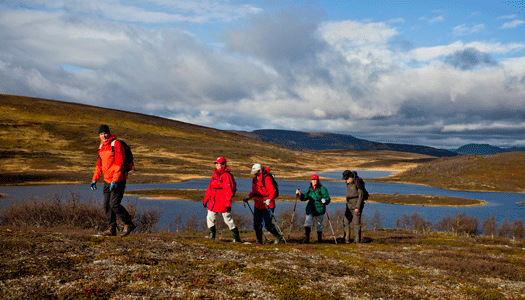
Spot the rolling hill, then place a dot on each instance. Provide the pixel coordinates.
(486, 149)
(332, 141)
(46, 141)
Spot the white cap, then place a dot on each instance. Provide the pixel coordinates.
(256, 168)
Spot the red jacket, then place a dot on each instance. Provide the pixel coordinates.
(262, 189)
(220, 191)
(109, 162)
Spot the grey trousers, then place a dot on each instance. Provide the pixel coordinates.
(352, 218)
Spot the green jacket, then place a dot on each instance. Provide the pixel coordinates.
(315, 207)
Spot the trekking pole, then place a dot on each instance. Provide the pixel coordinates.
(330, 222)
(293, 214)
(264, 235)
(276, 223)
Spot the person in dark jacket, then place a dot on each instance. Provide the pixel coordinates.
(263, 193)
(354, 205)
(218, 199)
(110, 162)
(317, 197)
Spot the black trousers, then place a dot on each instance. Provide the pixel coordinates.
(112, 206)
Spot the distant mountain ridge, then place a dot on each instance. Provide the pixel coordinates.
(486, 149)
(332, 141)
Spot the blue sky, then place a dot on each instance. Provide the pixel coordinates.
(441, 74)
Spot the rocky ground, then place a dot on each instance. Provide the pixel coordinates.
(390, 264)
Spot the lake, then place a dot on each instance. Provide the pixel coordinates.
(501, 205)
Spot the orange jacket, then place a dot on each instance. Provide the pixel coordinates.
(110, 162)
(220, 191)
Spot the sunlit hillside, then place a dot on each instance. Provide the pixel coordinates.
(52, 141)
(497, 173)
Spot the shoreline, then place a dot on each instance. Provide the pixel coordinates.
(197, 195)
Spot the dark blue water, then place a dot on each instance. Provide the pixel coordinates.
(501, 205)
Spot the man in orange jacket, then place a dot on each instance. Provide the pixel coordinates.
(110, 162)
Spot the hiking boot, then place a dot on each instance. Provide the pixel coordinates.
(347, 234)
(212, 230)
(236, 237)
(307, 231)
(358, 235)
(111, 231)
(259, 236)
(319, 236)
(128, 228)
(277, 236)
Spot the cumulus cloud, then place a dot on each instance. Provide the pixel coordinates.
(282, 69)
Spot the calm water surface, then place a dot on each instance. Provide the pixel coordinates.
(501, 205)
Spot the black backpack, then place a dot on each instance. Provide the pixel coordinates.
(275, 184)
(360, 183)
(128, 156)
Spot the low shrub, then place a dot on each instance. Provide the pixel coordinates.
(71, 211)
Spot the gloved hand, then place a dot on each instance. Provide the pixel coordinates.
(245, 199)
(298, 192)
(267, 202)
(93, 185)
(229, 208)
(205, 205)
(323, 201)
(112, 185)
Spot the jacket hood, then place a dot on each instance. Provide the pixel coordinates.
(265, 171)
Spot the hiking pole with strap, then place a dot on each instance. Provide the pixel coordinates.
(293, 214)
(330, 222)
(276, 223)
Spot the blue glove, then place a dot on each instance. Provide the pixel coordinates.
(93, 185)
(112, 186)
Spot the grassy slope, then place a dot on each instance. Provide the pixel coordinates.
(500, 172)
(45, 141)
(390, 264)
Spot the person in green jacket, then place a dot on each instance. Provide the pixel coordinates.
(317, 197)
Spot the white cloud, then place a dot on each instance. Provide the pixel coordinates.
(436, 20)
(281, 70)
(482, 126)
(508, 17)
(356, 33)
(430, 53)
(512, 24)
(464, 29)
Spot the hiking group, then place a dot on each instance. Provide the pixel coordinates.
(115, 160)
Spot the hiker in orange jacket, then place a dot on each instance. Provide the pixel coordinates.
(218, 199)
(110, 162)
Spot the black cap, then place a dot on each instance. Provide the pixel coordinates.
(347, 174)
(103, 128)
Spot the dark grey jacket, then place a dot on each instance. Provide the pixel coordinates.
(354, 196)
